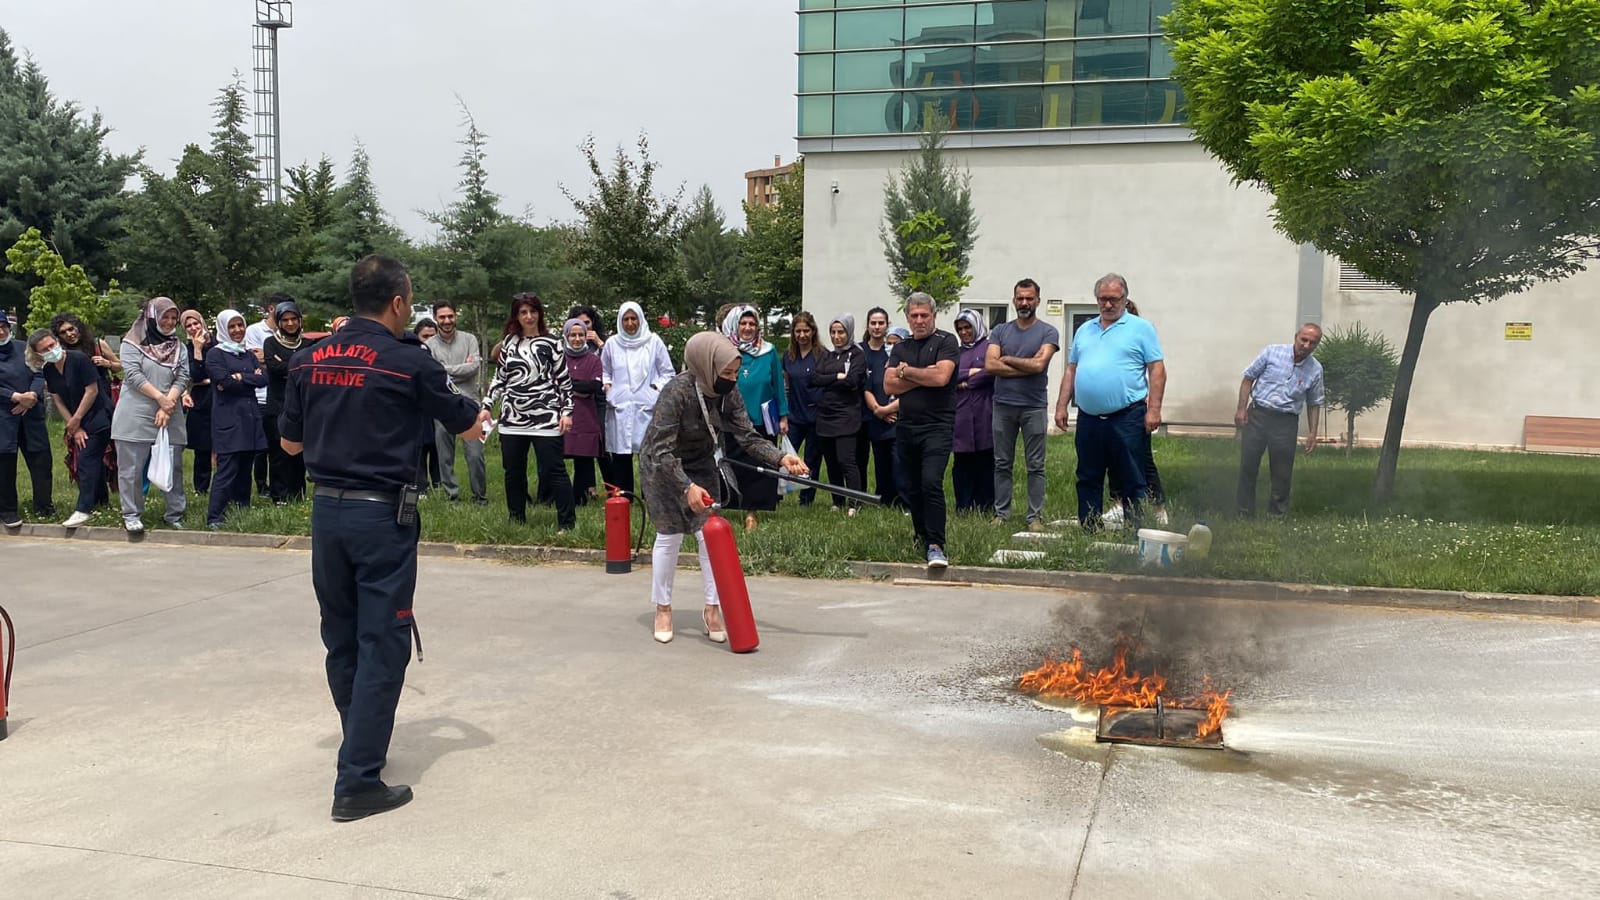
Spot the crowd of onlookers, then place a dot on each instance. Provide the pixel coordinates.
(888, 409)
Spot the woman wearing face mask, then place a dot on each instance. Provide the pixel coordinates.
(841, 376)
(583, 438)
(81, 399)
(22, 431)
(155, 377)
(236, 431)
(765, 402)
(696, 413)
(973, 473)
(197, 405)
(634, 367)
(535, 395)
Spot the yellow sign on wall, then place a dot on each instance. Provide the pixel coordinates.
(1053, 308)
(1519, 331)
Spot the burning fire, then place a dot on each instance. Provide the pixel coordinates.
(1115, 685)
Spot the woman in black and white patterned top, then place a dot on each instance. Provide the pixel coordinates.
(535, 395)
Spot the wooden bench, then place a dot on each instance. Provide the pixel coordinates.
(1561, 434)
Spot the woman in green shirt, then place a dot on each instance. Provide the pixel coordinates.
(766, 401)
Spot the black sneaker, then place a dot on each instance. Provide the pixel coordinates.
(369, 803)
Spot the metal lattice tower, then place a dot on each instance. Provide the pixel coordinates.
(272, 16)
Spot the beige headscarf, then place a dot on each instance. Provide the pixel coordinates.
(705, 356)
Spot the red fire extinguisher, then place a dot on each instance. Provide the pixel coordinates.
(729, 574)
(619, 515)
(7, 663)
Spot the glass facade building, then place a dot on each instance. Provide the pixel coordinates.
(880, 67)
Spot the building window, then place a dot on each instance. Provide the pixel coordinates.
(1062, 63)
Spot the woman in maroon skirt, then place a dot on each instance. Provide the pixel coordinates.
(583, 439)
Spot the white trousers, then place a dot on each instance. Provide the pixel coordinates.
(664, 564)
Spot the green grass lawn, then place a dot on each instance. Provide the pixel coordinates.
(1461, 520)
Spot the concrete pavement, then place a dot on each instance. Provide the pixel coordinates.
(172, 737)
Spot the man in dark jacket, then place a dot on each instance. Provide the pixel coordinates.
(286, 474)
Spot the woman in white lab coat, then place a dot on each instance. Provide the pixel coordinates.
(635, 366)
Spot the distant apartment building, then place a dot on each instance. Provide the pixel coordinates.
(761, 185)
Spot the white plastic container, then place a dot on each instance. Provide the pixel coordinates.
(1161, 548)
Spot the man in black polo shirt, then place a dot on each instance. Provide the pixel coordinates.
(921, 373)
(354, 405)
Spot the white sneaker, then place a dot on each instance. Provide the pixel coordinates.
(76, 519)
(1113, 518)
(16, 521)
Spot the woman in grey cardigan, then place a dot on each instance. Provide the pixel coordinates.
(679, 465)
(155, 377)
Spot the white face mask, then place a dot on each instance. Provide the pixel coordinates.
(54, 355)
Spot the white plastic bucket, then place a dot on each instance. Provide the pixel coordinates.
(1161, 548)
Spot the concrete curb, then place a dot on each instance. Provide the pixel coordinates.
(955, 576)
(1214, 588)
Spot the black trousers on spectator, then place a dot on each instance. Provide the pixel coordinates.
(617, 469)
(973, 478)
(1152, 478)
(1276, 434)
(230, 486)
(840, 455)
(199, 428)
(261, 465)
(583, 480)
(552, 465)
(39, 474)
(286, 474)
(429, 461)
(922, 452)
(807, 443)
(882, 456)
(1110, 445)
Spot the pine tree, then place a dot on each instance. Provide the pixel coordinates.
(711, 260)
(56, 175)
(928, 182)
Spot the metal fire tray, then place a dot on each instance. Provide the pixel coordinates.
(1156, 726)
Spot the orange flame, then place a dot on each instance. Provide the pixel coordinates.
(1115, 685)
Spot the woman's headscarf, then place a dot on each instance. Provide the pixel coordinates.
(705, 356)
(183, 320)
(145, 333)
(566, 332)
(223, 339)
(638, 338)
(849, 323)
(730, 330)
(980, 329)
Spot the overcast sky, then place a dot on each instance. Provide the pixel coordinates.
(710, 81)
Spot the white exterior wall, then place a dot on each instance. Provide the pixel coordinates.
(1206, 267)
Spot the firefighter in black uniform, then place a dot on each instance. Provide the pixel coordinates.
(354, 405)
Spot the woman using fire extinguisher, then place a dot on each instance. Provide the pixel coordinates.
(680, 463)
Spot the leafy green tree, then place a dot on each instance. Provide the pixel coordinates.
(711, 257)
(206, 236)
(930, 246)
(927, 182)
(56, 175)
(1448, 147)
(626, 242)
(62, 288)
(773, 247)
(1358, 372)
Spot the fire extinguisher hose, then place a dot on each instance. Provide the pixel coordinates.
(11, 649)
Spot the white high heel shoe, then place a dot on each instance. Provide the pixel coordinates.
(719, 636)
(664, 637)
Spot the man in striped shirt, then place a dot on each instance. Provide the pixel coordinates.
(1281, 379)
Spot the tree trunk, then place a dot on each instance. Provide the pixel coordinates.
(1389, 458)
(1349, 431)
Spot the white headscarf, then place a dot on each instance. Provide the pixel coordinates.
(223, 340)
(730, 330)
(643, 335)
(980, 328)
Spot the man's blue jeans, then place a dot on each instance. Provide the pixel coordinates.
(1112, 443)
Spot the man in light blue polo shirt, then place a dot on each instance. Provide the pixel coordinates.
(1281, 379)
(1115, 372)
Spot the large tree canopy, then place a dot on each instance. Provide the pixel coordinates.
(1448, 147)
(56, 174)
